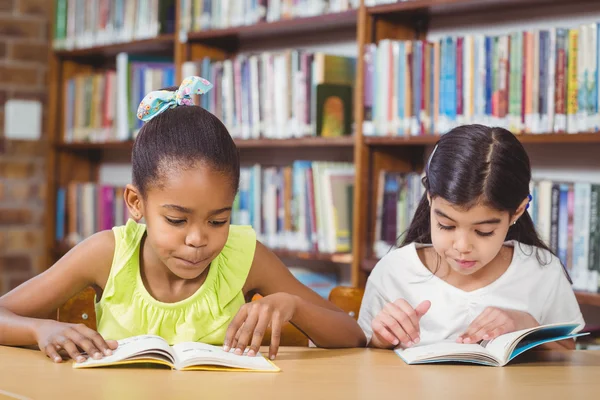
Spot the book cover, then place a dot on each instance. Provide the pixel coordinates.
(334, 110)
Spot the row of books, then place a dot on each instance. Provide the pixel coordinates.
(306, 206)
(566, 217)
(292, 93)
(88, 23)
(101, 106)
(199, 15)
(84, 208)
(371, 3)
(398, 195)
(542, 81)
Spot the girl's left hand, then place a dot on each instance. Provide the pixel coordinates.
(252, 320)
(493, 322)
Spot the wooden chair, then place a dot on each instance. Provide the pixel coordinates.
(80, 309)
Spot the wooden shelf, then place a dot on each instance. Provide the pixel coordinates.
(368, 264)
(436, 7)
(341, 258)
(550, 138)
(400, 140)
(230, 37)
(590, 299)
(346, 141)
(160, 44)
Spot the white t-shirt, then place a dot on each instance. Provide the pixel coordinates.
(543, 291)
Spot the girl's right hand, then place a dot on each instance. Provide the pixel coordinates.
(52, 336)
(398, 323)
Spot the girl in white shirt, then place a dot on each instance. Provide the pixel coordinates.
(471, 266)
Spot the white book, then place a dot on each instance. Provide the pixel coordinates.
(544, 210)
(549, 124)
(186, 356)
(581, 235)
(497, 352)
(122, 117)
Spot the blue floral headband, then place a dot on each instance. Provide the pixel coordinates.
(158, 101)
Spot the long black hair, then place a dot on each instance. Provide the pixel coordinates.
(181, 137)
(476, 164)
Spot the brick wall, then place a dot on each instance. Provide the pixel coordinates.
(24, 42)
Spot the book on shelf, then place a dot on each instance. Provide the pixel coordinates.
(83, 23)
(186, 356)
(101, 106)
(84, 208)
(306, 206)
(321, 282)
(274, 94)
(202, 15)
(496, 352)
(539, 81)
(398, 195)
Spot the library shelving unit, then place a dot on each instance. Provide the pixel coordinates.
(409, 20)
(401, 21)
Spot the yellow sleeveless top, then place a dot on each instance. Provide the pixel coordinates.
(127, 309)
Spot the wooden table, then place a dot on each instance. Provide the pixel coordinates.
(310, 374)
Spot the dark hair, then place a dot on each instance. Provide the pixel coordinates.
(182, 137)
(476, 164)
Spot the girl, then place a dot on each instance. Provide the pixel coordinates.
(186, 273)
(471, 266)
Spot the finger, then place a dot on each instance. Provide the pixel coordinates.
(494, 333)
(236, 338)
(112, 344)
(71, 350)
(478, 335)
(259, 333)
(234, 327)
(246, 332)
(383, 333)
(52, 352)
(483, 319)
(483, 326)
(393, 325)
(422, 308)
(84, 343)
(402, 312)
(276, 324)
(96, 339)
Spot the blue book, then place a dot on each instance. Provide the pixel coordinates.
(495, 353)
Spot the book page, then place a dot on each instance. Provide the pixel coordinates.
(446, 351)
(503, 346)
(193, 353)
(153, 346)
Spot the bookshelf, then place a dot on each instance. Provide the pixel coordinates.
(371, 154)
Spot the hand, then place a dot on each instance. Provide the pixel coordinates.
(53, 336)
(252, 320)
(493, 322)
(398, 323)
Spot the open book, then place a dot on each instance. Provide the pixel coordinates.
(497, 352)
(182, 356)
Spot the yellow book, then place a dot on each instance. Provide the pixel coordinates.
(187, 356)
